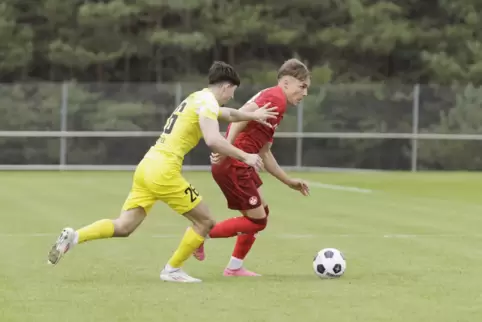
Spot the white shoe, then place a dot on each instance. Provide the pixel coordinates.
(178, 276)
(64, 242)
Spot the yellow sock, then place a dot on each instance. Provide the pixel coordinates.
(100, 229)
(189, 243)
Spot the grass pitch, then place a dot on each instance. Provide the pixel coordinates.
(412, 243)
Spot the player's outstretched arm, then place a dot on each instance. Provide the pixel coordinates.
(249, 112)
(273, 168)
(234, 129)
(238, 127)
(217, 143)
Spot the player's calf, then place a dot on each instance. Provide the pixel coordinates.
(193, 238)
(244, 227)
(128, 222)
(203, 225)
(201, 219)
(244, 243)
(123, 226)
(246, 224)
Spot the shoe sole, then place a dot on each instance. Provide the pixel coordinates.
(55, 255)
(174, 281)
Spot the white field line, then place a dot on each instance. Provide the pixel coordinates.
(340, 188)
(419, 204)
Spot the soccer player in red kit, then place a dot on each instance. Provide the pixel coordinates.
(240, 183)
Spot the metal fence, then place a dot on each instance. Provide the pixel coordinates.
(351, 126)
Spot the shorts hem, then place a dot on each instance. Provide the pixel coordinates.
(244, 208)
(146, 209)
(188, 209)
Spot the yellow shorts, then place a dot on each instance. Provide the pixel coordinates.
(157, 180)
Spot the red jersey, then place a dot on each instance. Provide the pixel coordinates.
(256, 135)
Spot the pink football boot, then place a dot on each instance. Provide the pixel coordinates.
(199, 253)
(239, 272)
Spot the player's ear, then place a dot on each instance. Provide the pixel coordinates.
(224, 87)
(228, 86)
(286, 83)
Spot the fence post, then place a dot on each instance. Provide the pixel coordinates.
(178, 94)
(415, 119)
(63, 125)
(299, 139)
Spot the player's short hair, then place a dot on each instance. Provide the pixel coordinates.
(295, 68)
(221, 72)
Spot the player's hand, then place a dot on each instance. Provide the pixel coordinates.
(254, 161)
(264, 113)
(299, 185)
(216, 158)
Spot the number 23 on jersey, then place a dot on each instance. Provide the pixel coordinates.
(171, 121)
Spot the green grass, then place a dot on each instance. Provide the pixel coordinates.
(412, 247)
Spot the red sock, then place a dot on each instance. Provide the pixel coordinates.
(235, 226)
(245, 242)
(243, 245)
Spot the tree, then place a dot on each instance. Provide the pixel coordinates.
(464, 118)
(16, 44)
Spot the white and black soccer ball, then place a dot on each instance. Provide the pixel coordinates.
(329, 263)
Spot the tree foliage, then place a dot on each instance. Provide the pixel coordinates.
(364, 56)
(126, 40)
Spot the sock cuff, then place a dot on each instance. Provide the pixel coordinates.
(261, 221)
(194, 235)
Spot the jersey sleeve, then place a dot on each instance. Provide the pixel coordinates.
(274, 100)
(209, 109)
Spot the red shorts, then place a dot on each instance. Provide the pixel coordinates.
(239, 185)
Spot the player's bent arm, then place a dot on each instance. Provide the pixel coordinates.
(272, 166)
(215, 141)
(245, 113)
(234, 130)
(238, 127)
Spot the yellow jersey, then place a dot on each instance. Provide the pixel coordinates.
(182, 131)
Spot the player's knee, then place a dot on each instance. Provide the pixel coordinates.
(208, 223)
(128, 221)
(266, 210)
(201, 218)
(261, 223)
(204, 225)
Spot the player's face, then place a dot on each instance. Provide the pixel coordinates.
(296, 90)
(227, 93)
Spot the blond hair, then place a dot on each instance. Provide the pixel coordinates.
(295, 68)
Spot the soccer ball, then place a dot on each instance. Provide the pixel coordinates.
(329, 263)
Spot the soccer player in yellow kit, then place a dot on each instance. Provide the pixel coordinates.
(158, 176)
